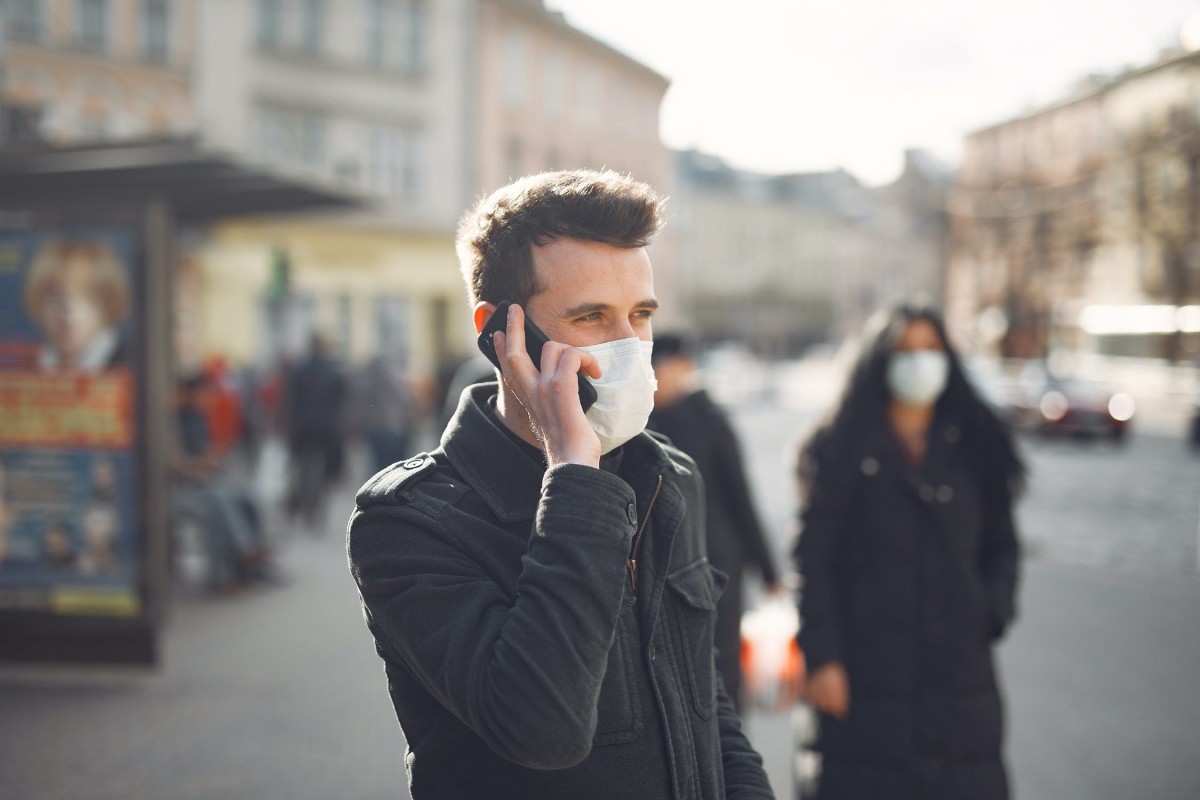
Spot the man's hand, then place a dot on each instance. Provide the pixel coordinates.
(829, 689)
(549, 392)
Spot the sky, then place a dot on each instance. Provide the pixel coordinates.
(794, 85)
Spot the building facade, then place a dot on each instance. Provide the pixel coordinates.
(415, 107)
(77, 71)
(365, 97)
(548, 96)
(551, 97)
(782, 262)
(1075, 226)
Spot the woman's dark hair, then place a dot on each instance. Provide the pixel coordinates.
(865, 400)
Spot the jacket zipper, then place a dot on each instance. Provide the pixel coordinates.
(637, 538)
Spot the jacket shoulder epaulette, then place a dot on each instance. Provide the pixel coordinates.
(384, 486)
(680, 461)
(661, 438)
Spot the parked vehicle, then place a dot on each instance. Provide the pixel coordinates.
(1050, 404)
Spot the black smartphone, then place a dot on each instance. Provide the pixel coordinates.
(534, 340)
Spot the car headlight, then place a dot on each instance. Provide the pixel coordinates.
(1054, 406)
(1121, 407)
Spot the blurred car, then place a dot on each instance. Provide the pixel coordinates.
(1051, 404)
(995, 388)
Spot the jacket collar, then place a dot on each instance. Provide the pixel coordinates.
(507, 479)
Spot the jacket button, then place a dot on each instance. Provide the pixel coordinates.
(632, 511)
(870, 466)
(945, 494)
(928, 493)
(414, 463)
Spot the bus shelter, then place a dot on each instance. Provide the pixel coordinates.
(87, 253)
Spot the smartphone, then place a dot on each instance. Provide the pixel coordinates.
(534, 340)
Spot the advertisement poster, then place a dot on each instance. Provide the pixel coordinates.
(68, 523)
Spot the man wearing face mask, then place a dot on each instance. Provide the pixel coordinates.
(909, 560)
(538, 586)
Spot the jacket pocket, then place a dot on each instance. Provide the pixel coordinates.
(617, 716)
(697, 588)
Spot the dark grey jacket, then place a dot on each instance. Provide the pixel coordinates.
(520, 661)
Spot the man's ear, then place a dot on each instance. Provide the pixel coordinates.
(482, 313)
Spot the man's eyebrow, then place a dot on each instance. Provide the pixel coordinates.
(585, 308)
(592, 308)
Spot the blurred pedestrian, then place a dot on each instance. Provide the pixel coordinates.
(696, 425)
(470, 371)
(225, 410)
(235, 542)
(315, 399)
(908, 557)
(385, 410)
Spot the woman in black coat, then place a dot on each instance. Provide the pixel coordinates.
(908, 558)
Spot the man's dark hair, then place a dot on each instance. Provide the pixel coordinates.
(496, 238)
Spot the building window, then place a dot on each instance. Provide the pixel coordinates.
(25, 19)
(313, 16)
(516, 79)
(554, 85)
(514, 161)
(22, 125)
(93, 127)
(391, 327)
(409, 26)
(92, 23)
(589, 88)
(376, 32)
(293, 137)
(396, 165)
(312, 141)
(396, 34)
(156, 29)
(270, 23)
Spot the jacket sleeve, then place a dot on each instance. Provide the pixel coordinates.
(822, 520)
(745, 778)
(525, 673)
(1000, 558)
(736, 490)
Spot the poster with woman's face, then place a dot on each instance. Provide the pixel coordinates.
(67, 422)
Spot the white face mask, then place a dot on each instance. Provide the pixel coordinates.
(918, 378)
(624, 390)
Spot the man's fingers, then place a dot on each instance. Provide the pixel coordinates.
(510, 349)
(588, 364)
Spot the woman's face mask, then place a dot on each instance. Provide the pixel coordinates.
(625, 390)
(918, 377)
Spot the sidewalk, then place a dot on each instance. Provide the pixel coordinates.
(272, 693)
(278, 693)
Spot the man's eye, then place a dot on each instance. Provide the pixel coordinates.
(645, 313)
(592, 317)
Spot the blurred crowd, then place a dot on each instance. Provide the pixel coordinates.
(259, 452)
